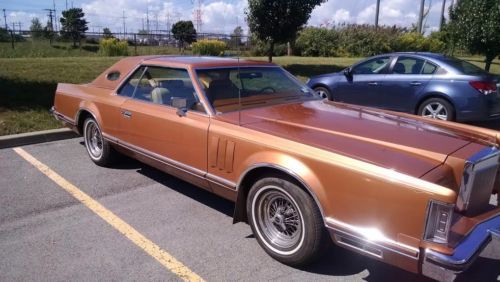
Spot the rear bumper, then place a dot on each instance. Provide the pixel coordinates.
(64, 119)
(445, 267)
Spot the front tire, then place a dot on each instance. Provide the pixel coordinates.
(286, 221)
(323, 92)
(99, 149)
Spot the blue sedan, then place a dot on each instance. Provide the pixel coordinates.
(426, 84)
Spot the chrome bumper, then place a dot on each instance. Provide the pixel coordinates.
(445, 267)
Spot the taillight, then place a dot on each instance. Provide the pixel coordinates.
(484, 87)
(439, 216)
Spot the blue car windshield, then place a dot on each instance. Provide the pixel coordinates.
(464, 67)
(233, 88)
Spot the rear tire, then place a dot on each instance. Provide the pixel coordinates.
(323, 92)
(98, 148)
(437, 108)
(286, 221)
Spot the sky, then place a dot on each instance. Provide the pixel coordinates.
(218, 16)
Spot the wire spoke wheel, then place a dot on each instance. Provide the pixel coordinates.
(93, 139)
(279, 219)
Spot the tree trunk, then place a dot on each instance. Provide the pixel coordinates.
(489, 59)
(271, 50)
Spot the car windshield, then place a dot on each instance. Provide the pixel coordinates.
(233, 88)
(464, 67)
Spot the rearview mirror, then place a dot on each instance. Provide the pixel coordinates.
(180, 104)
(348, 72)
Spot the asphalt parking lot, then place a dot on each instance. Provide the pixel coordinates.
(46, 234)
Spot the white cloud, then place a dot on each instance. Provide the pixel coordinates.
(222, 16)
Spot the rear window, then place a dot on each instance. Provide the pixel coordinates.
(464, 67)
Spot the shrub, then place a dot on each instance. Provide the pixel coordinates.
(209, 47)
(113, 47)
(317, 42)
(414, 41)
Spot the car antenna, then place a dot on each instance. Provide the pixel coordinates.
(241, 83)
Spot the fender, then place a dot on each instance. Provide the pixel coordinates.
(277, 162)
(89, 107)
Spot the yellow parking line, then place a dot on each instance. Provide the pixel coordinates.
(167, 260)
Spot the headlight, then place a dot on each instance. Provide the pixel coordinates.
(438, 224)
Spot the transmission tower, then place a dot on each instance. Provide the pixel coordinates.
(5, 20)
(51, 13)
(198, 14)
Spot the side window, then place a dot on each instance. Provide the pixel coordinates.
(374, 66)
(408, 65)
(160, 85)
(128, 88)
(429, 68)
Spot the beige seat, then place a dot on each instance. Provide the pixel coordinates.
(158, 95)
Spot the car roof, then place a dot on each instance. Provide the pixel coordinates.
(126, 65)
(202, 61)
(423, 54)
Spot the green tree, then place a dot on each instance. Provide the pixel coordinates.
(184, 32)
(73, 25)
(106, 33)
(236, 37)
(36, 28)
(278, 21)
(475, 25)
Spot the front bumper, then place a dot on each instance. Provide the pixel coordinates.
(445, 267)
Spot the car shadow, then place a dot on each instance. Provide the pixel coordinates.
(335, 262)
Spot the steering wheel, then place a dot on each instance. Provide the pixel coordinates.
(267, 89)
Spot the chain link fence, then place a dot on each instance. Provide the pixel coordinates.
(20, 43)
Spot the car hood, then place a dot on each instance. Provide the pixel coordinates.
(393, 141)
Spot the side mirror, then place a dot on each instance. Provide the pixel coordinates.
(348, 72)
(180, 104)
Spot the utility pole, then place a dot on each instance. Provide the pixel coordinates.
(147, 17)
(420, 16)
(50, 15)
(441, 20)
(124, 30)
(54, 8)
(377, 13)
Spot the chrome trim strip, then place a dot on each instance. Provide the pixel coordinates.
(61, 117)
(371, 236)
(467, 250)
(170, 162)
(287, 171)
(221, 181)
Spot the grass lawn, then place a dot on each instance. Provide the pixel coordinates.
(27, 85)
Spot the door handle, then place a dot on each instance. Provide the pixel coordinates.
(373, 83)
(415, 83)
(127, 114)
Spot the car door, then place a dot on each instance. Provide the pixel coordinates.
(151, 126)
(405, 81)
(363, 83)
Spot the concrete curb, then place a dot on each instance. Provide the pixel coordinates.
(15, 140)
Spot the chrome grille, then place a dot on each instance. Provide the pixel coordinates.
(478, 181)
